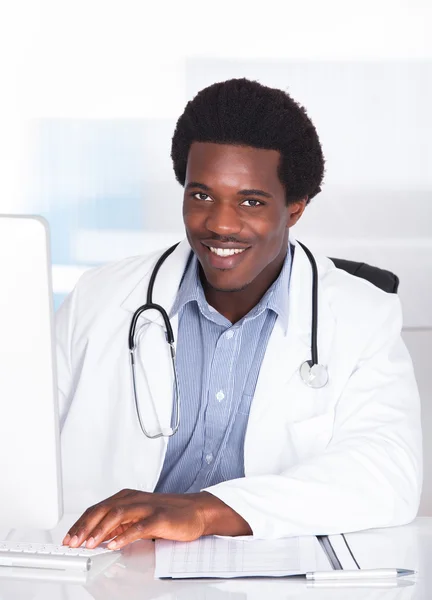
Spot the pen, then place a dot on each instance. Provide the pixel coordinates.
(359, 574)
(360, 583)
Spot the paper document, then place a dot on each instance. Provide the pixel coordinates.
(230, 557)
(393, 547)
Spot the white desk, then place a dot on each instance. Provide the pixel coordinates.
(132, 576)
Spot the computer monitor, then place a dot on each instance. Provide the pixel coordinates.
(30, 476)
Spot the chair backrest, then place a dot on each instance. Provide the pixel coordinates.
(385, 280)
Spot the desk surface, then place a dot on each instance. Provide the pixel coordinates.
(131, 577)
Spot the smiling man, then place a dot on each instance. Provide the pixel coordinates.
(239, 235)
(257, 450)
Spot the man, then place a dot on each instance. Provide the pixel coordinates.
(257, 451)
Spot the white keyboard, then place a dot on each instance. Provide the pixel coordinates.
(49, 556)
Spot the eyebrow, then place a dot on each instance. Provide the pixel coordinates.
(205, 188)
(255, 193)
(201, 186)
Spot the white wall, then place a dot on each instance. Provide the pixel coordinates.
(420, 346)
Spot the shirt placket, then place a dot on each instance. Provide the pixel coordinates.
(219, 402)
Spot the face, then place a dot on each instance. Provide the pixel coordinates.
(235, 214)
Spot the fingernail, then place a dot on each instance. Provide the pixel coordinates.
(73, 541)
(90, 542)
(66, 539)
(112, 545)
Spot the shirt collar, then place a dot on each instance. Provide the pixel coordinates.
(278, 293)
(189, 286)
(275, 298)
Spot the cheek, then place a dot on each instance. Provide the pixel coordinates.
(189, 217)
(192, 211)
(271, 229)
(184, 209)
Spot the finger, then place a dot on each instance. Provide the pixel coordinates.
(80, 531)
(142, 530)
(117, 531)
(119, 515)
(77, 534)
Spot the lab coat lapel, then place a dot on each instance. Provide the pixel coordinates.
(165, 287)
(280, 390)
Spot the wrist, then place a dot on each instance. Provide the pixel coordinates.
(220, 519)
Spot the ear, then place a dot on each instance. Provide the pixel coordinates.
(295, 211)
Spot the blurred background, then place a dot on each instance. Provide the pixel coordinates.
(92, 91)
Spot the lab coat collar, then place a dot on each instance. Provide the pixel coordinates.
(166, 285)
(299, 303)
(300, 296)
(296, 339)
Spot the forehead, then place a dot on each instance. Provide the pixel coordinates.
(240, 166)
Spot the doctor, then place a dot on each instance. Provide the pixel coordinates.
(259, 448)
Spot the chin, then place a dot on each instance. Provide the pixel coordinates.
(229, 285)
(228, 290)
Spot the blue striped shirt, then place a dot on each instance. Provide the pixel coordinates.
(218, 365)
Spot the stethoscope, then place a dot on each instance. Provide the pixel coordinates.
(311, 372)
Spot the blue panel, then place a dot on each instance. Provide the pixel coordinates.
(58, 300)
(97, 175)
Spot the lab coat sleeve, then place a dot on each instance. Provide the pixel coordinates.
(370, 473)
(65, 376)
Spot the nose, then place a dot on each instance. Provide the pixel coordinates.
(223, 219)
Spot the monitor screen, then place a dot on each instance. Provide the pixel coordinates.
(29, 430)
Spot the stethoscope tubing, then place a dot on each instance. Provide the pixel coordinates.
(306, 370)
(314, 328)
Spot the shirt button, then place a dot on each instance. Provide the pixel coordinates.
(209, 458)
(220, 395)
(230, 334)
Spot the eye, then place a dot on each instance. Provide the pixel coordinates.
(253, 203)
(201, 196)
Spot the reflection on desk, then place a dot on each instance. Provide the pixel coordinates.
(132, 577)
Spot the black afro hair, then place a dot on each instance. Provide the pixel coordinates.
(246, 113)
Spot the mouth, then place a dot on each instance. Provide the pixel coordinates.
(226, 257)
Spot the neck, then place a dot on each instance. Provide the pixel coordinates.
(234, 305)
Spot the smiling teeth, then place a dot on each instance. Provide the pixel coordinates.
(226, 251)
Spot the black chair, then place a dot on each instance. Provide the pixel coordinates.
(385, 280)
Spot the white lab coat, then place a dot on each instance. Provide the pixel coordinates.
(341, 458)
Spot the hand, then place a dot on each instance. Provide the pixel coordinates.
(130, 515)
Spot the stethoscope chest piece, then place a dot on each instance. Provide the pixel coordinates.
(314, 376)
